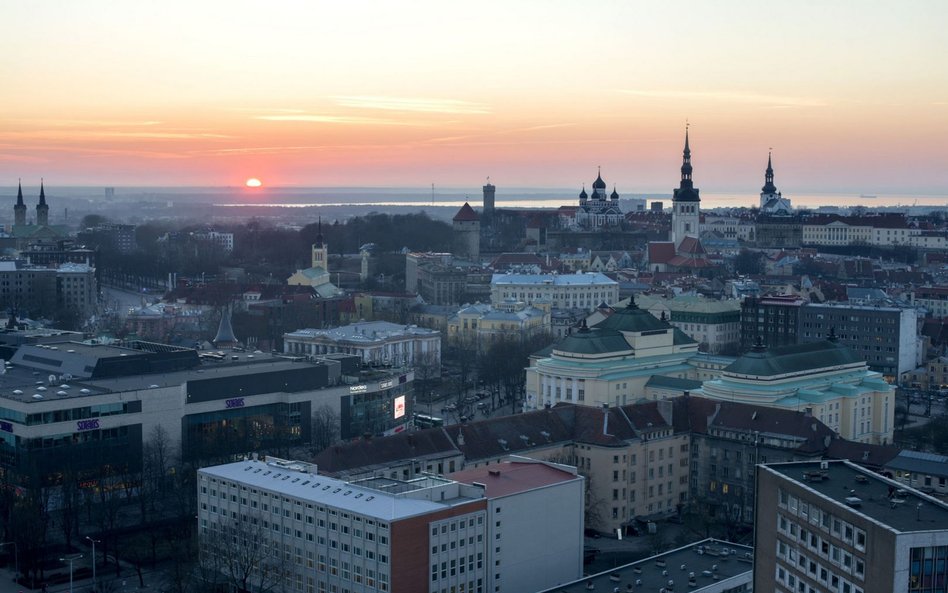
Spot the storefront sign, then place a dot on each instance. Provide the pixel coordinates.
(386, 384)
(358, 389)
(87, 424)
(237, 402)
(6, 426)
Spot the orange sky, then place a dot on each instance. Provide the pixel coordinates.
(851, 95)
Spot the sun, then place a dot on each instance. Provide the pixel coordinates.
(253, 182)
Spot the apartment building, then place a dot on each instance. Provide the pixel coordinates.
(834, 526)
(483, 532)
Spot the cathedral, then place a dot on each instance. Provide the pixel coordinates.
(598, 210)
(37, 230)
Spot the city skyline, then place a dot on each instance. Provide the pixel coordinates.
(851, 97)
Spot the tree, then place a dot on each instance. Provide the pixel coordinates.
(749, 262)
(325, 428)
(241, 553)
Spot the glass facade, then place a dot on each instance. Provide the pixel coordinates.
(929, 570)
(243, 429)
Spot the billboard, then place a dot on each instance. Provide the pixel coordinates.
(399, 406)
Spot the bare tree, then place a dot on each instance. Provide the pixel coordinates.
(324, 429)
(241, 553)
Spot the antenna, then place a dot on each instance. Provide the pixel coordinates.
(432, 194)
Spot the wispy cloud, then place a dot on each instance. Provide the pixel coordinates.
(336, 119)
(82, 123)
(412, 104)
(87, 135)
(81, 151)
(445, 139)
(729, 97)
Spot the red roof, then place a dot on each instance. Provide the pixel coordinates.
(466, 213)
(687, 261)
(508, 477)
(691, 246)
(660, 252)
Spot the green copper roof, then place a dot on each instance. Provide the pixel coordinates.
(683, 338)
(593, 341)
(796, 358)
(632, 319)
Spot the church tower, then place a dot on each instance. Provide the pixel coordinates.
(19, 211)
(686, 204)
(42, 209)
(769, 191)
(320, 249)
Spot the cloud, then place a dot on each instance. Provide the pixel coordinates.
(87, 135)
(336, 119)
(413, 104)
(83, 123)
(728, 97)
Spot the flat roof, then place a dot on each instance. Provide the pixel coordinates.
(882, 500)
(710, 561)
(296, 480)
(512, 477)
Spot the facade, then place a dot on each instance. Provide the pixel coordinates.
(482, 325)
(476, 533)
(933, 298)
(880, 230)
(714, 324)
(885, 337)
(47, 290)
(825, 379)
(779, 231)
(833, 526)
(611, 362)
(560, 291)
(467, 233)
(223, 240)
(98, 405)
(374, 342)
(598, 210)
(774, 320)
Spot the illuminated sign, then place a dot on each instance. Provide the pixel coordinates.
(357, 388)
(87, 424)
(399, 406)
(237, 402)
(6, 426)
(386, 384)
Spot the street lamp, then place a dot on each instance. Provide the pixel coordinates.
(94, 542)
(70, 560)
(16, 559)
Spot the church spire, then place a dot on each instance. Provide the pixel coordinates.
(42, 194)
(769, 187)
(19, 210)
(19, 193)
(42, 209)
(319, 232)
(686, 163)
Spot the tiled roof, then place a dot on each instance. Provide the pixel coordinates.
(660, 252)
(466, 213)
(380, 452)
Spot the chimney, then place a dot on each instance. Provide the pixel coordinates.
(460, 438)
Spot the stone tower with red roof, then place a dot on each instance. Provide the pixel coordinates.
(467, 233)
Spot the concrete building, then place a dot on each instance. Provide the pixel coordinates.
(482, 532)
(774, 320)
(99, 404)
(560, 291)
(933, 298)
(374, 342)
(714, 324)
(833, 526)
(886, 337)
(702, 567)
(46, 291)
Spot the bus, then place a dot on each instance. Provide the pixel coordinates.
(426, 421)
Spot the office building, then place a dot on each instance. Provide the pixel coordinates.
(477, 532)
(773, 319)
(834, 526)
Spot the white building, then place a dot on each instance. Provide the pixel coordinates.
(477, 531)
(561, 291)
(223, 240)
(375, 342)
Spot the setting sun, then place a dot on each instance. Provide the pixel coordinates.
(253, 182)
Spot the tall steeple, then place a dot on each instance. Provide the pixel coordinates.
(319, 232)
(769, 187)
(686, 212)
(19, 210)
(42, 209)
(320, 256)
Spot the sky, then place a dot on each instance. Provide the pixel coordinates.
(850, 95)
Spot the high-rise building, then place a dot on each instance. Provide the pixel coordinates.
(834, 526)
(772, 320)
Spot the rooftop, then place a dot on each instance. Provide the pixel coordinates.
(709, 562)
(363, 331)
(880, 499)
(513, 477)
(381, 498)
(793, 359)
(582, 279)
